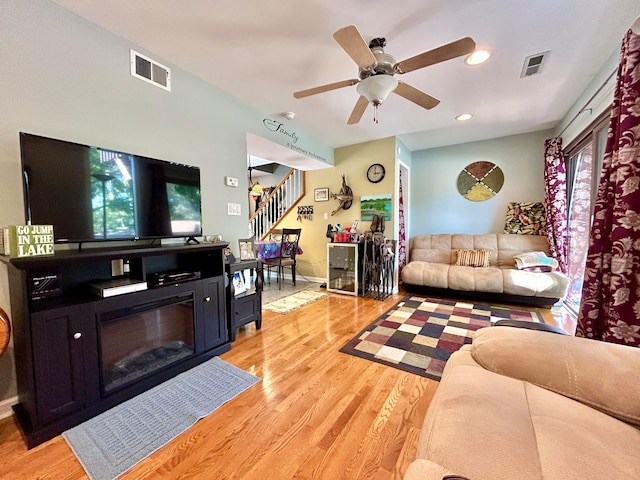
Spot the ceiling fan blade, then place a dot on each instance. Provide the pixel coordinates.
(358, 110)
(352, 42)
(325, 88)
(416, 96)
(451, 50)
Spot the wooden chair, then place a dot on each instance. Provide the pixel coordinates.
(287, 258)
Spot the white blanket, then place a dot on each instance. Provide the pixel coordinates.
(534, 259)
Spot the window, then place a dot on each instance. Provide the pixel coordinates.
(583, 164)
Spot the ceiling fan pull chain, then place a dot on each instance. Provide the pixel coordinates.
(375, 113)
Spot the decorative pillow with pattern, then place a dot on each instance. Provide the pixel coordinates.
(525, 218)
(473, 258)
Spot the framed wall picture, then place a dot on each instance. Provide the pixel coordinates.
(371, 205)
(321, 194)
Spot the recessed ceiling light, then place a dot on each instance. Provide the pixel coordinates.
(463, 116)
(477, 57)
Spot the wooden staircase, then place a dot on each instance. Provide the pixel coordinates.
(282, 199)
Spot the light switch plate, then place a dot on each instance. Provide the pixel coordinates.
(231, 181)
(233, 209)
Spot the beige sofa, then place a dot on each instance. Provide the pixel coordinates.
(432, 268)
(528, 405)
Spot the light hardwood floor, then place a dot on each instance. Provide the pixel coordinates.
(317, 413)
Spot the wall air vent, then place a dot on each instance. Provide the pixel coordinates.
(533, 64)
(150, 71)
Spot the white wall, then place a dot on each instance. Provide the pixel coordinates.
(592, 102)
(436, 205)
(63, 77)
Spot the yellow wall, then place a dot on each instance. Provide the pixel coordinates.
(352, 161)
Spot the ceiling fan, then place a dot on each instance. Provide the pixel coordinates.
(377, 70)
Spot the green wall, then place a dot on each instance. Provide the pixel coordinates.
(63, 77)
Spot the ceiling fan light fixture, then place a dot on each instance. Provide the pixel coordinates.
(377, 88)
(478, 57)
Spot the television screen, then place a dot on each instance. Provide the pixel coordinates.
(94, 194)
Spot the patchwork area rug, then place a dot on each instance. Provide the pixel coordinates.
(419, 334)
(294, 301)
(111, 443)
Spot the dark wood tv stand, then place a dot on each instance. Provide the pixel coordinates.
(57, 339)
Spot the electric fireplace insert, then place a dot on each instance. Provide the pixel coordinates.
(140, 340)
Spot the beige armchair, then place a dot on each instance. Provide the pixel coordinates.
(521, 404)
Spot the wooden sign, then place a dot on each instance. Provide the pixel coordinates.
(28, 240)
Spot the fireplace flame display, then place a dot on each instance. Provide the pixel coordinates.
(134, 345)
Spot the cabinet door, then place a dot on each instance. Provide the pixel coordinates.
(64, 341)
(342, 268)
(215, 324)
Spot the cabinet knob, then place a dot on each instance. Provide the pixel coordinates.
(207, 299)
(77, 335)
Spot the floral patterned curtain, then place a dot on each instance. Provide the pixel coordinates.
(610, 307)
(555, 199)
(402, 235)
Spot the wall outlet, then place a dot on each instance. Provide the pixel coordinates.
(231, 181)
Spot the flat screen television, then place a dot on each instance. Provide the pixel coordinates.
(92, 194)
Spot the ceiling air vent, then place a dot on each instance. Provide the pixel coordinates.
(150, 71)
(533, 64)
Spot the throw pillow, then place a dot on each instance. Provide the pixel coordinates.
(526, 218)
(473, 258)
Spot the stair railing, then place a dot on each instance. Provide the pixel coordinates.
(282, 199)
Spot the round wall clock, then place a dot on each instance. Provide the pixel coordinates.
(375, 173)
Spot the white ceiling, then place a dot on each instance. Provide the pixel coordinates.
(263, 51)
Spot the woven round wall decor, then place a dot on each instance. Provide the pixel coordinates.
(480, 181)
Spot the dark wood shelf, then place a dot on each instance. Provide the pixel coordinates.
(57, 339)
(245, 307)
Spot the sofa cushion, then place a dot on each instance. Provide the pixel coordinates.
(488, 426)
(578, 368)
(511, 245)
(536, 284)
(473, 279)
(435, 275)
(431, 248)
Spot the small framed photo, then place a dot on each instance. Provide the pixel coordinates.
(246, 249)
(321, 194)
(238, 283)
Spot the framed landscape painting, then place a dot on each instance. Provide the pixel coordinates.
(371, 205)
